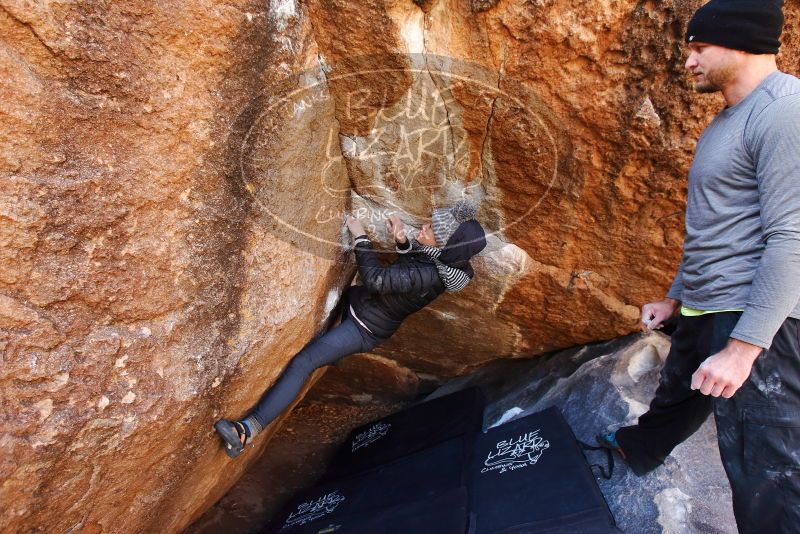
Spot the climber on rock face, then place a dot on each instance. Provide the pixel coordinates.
(736, 349)
(374, 310)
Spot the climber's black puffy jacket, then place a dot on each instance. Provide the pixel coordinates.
(389, 294)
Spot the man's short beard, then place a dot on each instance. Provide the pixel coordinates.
(716, 79)
(706, 87)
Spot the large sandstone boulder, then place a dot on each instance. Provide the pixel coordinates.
(172, 179)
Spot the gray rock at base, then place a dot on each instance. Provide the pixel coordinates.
(605, 386)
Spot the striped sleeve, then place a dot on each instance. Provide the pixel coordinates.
(454, 279)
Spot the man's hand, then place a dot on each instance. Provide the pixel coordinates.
(655, 313)
(396, 228)
(724, 372)
(354, 225)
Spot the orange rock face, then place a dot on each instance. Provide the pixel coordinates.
(172, 181)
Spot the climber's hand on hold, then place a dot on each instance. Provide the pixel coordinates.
(397, 228)
(354, 225)
(655, 313)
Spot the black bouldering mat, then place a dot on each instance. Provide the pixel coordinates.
(416, 428)
(445, 513)
(530, 475)
(420, 476)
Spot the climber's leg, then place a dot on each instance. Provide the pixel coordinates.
(341, 341)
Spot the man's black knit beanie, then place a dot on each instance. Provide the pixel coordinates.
(753, 26)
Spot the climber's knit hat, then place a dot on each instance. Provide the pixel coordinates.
(753, 26)
(445, 221)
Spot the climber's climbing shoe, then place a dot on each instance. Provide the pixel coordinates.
(609, 441)
(231, 433)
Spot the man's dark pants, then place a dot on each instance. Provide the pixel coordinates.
(758, 429)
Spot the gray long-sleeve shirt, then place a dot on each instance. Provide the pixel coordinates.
(742, 245)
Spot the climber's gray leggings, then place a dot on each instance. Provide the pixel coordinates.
(345, 339)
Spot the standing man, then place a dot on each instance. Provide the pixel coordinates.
(736, 349)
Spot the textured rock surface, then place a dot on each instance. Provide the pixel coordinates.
(143, 294)
(170, 192)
